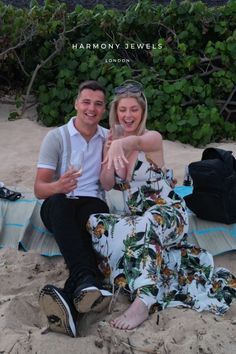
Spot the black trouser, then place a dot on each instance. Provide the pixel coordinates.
(66, 219)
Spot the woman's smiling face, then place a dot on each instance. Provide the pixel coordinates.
(129, 114)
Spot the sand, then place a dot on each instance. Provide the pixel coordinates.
(23, 326)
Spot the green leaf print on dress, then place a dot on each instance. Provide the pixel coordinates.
(146, 251)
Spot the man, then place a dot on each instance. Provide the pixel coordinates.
(66, 217)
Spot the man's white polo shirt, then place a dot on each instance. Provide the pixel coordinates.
(50, 157)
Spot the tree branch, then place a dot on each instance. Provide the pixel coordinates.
(21, 42)
(190, 103)
(59, 43)
(20, 63)
(228, 100)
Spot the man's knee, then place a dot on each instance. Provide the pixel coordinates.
(57, 198)
(93, 206)
(99, 207)
(54, 203)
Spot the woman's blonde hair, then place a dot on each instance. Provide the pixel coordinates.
(141, 99)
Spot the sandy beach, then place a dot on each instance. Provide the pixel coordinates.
(23, 328)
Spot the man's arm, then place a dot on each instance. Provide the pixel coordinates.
(45, 187)
(49, 156)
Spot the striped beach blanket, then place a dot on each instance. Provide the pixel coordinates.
(21, 228)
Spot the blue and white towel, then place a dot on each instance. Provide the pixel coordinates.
(21, 227)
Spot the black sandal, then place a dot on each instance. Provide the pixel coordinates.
(6, 193)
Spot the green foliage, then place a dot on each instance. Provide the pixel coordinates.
(184, 55)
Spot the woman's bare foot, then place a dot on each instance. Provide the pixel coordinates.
(136, 314)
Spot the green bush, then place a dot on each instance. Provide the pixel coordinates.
(188, 72)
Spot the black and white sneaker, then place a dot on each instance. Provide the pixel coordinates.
(90, 298)
(59, 310)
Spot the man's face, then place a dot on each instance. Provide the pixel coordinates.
(90, 106)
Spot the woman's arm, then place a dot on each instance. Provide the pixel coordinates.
(107, 176)
(150, 142)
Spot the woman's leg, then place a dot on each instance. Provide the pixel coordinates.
(143, 258)
(133, 247)
(142, 261)
(127, 257)
(108, 233)
(134, 316)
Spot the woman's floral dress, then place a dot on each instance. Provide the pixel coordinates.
(142, 246)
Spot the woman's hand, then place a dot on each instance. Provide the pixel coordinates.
(115, 155)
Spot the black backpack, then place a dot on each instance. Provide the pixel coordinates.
(214, 186)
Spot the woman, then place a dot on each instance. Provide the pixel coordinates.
(140, 245)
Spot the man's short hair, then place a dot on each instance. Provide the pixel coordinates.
(91, 85)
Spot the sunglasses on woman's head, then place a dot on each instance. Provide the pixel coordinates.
(132, 87)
